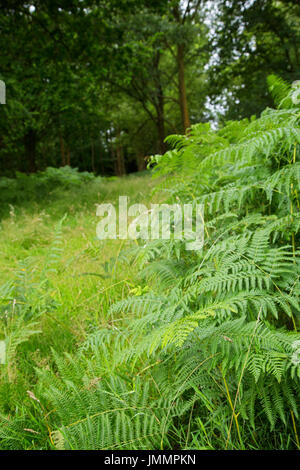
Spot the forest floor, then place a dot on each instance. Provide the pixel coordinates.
(86, 280)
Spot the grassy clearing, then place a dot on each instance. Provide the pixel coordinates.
(68, 297)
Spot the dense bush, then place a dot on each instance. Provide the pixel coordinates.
(41, 184)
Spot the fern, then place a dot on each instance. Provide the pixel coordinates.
(208, 338)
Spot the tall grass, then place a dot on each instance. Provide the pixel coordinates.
(125, 345)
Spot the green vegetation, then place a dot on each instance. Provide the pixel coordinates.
(126, 345)
(99, 84)
(133, 344)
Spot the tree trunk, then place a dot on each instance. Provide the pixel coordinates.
(68, 157)
(182, 89)
(180, 66)
(141, 163)
(102, 170)
(120, 156)
(161, 133)
(161, 121)
(62, 151)
(93, 157)
(30, 150)
(114, 159)
(120, 161)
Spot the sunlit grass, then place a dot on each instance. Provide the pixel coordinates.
(88, 277)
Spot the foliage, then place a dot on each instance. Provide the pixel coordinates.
(249, 41)
(231, 311)
(98, 85)
(171, 348)
(28, 188)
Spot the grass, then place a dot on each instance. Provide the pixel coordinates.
(72, 298)
(57, 282)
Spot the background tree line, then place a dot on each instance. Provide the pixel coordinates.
(98, 85)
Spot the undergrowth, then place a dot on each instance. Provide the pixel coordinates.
(160, 347)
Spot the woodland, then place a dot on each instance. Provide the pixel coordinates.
(133, 344)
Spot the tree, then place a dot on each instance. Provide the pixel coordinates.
(250, 41)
